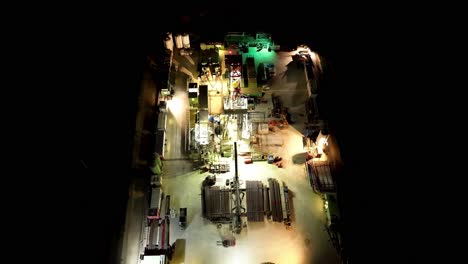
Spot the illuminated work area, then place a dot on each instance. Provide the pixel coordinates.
(240, 165)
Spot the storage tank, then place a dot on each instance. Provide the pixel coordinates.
(186, 41)
(178, 41)
(168, 42)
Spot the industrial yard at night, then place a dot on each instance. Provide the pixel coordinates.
(239, 165)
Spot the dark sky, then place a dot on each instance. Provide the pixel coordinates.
(105, 52)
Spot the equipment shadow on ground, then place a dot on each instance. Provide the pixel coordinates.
(299, 158)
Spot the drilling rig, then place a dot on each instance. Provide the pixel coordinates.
(237, 197)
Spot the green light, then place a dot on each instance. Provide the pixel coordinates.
(262, 56)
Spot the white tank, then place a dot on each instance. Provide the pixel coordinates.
(168, 43)
(178, 41)
(186, 41)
